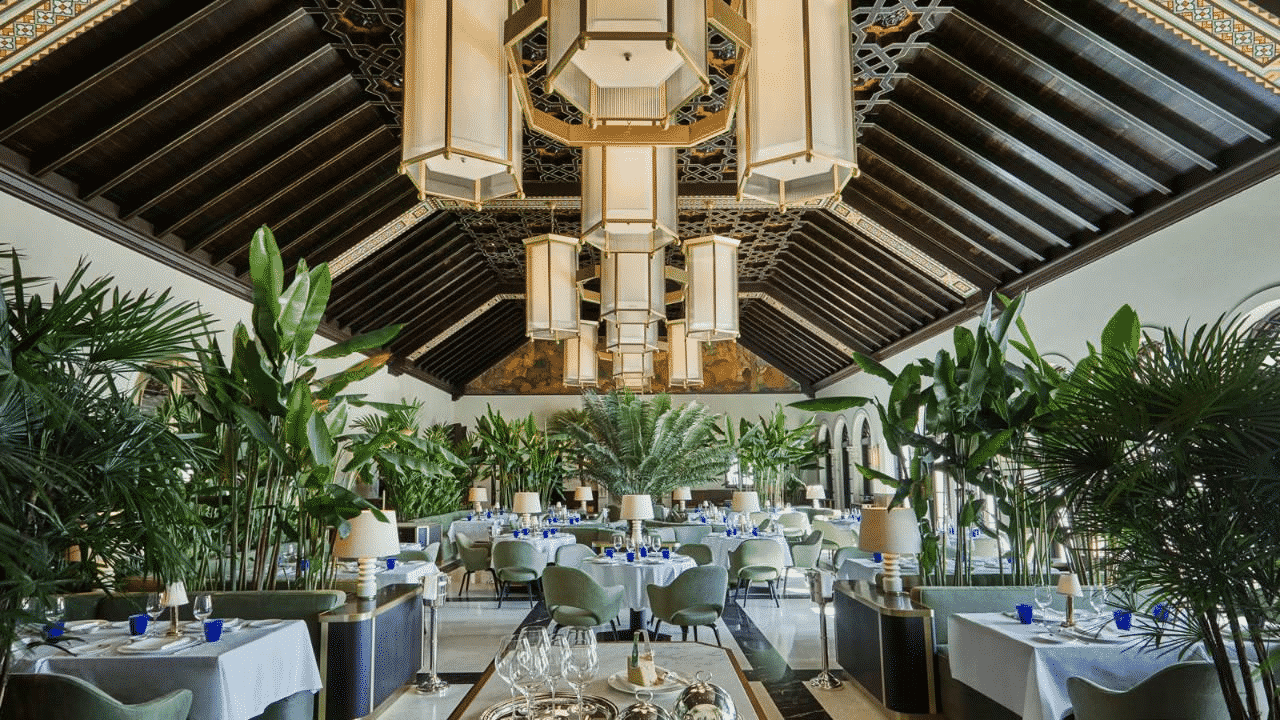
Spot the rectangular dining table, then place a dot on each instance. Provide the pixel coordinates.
(1026, 671)
(235, 678)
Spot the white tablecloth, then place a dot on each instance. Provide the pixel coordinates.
(474, 529)
(547, 546)
(636, 576)
(410, 572)
(866, 569)
(232, 679)
(1012, 664)
(721, 546)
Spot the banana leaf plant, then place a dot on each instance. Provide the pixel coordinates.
(416, 466)
(774, 453)
(519, 457)
(274, 426)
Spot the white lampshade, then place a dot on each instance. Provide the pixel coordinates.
(681, 493)
(637, 507)
(629, 198)
(684, 356)
(527, 503)
(369, 537)
(581, 364)
(175, 594)
(815, 492)
(551, 287)
(583, 492)
(462, 120)
(1069, 584)
(478, 494)
(634, 60)
(796, 137)
(745, 501)
(632, 371)
(889, 531)
(711, 295)
(628, 337)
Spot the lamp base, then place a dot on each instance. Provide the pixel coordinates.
(173, 623)
(637, 532)
(477, 508)
(891, 581)
(366, 578)
(1070, 619)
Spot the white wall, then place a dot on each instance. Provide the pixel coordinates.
(50, 247)
(469, 407)
(1190, 272)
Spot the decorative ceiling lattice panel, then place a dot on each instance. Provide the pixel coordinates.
(371, 34)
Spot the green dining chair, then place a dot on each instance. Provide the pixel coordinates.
(520, 563)
(45, 696)
(475, 558)
(795, 525)
(804, 555)
(575, 599)
(686, 534)
(757, 560)
(700, 553)
(695, 597)
(412, 556)
(573, 555)
(851, 552)
(1183, 691)
(835, 537)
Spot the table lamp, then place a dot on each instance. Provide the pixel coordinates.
(526, 504)
(175, 595)
(478, 496)
(583, 494)
(369, 539)
(1069, 585)
(681, 495)
(744, 503)
(816, 493)
(891, 533)
(637, 509)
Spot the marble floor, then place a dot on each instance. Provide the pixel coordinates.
(777, 648)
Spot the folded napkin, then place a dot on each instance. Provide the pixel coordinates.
(85, 625)
(153, 644)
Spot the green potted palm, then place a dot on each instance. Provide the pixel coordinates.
(416, 466)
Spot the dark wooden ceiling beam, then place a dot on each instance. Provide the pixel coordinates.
(351, 234)
(1152, 72)
(209, 121)
(1023, 221)
(436, 228)
(232, 218)
(393, 303)
(1055, 203)
(834, 301)
(447, 304)
(285, 119)
(47, 109)
(835, 279)
(765, 351)
(167, 94)
(463, 348)
(838, 250)
(820, 322)
(264, 169)
(1082, 178)
(1173, 138)
(805, 349)
(498, 355)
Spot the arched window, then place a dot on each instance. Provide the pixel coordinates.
(825, 465)
(847, 470)
(864, 446)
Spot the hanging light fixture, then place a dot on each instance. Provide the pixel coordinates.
(711, 293)
(684, 357)
(629, 196)
(551, 287)
(462, 121)
(795, 129)
(633, 371)
(581, 365)
(632, 299)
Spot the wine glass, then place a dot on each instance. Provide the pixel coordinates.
(1098, 599)
(1043, 598)
(556, 651)
(580, 662)
(530, 669)
(504, 660)
(202, 608)
(154, 607)
(54, 609)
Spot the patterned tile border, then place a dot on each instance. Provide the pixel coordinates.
(463, 322)
(31, 29)
(1240, 33)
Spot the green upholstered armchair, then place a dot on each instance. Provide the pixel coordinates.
(835, 537)
(517, 562)
(573, 555)
(46, 696)
(695, 597)
(1185, 691)
(475, 558)
(804, 554)
(757, 560)
(700, 553)
(575, 599)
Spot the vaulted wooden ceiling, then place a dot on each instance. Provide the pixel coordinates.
(1001, 142)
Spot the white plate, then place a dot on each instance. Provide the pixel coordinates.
(671, 682)
(156, 645)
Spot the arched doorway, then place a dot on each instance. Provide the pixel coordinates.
(864, 448)
(847, 471)
(825, 465)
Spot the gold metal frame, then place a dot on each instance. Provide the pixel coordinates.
(549, 333)
(660, 234)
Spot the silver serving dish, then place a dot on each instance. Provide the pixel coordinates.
(561, 707)
(644, 709)
(704, 701)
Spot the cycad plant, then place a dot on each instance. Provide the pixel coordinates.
(632, 446)
(83, 473)
(1170, 450)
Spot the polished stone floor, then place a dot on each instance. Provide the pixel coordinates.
(777, 648)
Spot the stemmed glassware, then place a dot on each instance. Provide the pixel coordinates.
(202, 608)
(54, 609)
(1098, 599)
(556, 651)
(154, 608)
(1043, 598)
(530, 669)
(504, 660)
(580, 662)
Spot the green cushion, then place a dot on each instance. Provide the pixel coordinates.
(759, 572)
(517, 574)
(697, 615)
(46, 696)
(575, 617)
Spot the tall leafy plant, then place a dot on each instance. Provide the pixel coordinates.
(519, 457)
(774, 452)
(83, 474)
(416, 466)
(1170, 450)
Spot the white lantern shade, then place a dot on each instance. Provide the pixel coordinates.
(581, 365)
(1069, 584)
(633, 371)
(527, 503)
(796, 138)
(627, 59)
(369, 537)
(478, 494)
(175, 594)
(582, 493)
(629, 196)
(551, 287)
(745, 501)
(711, 295)
(637, 507)
(462, 121)
(815, 492)
(631, 337)
(681, 493)
(684, 357)
(632, 299)
(889, 531)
